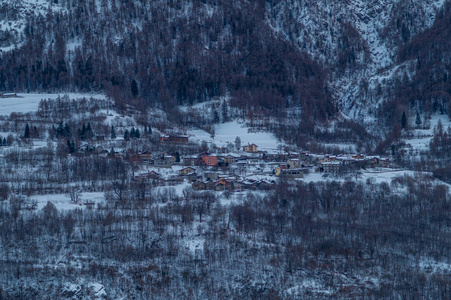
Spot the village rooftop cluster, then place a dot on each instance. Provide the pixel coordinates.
(248, 169)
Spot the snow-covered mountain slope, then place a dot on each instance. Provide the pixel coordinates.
(196, 50)
(358, 40)
(14, 15)
(319, 27)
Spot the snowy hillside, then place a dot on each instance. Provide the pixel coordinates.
(329, 56)
(13, 19)
(361, 36)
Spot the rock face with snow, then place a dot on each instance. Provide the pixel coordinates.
(14, 15)
(358, 41)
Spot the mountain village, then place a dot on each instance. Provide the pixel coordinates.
(244, 169)
(154, 149)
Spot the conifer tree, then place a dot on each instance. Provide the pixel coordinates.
(60, 130)
(35, 132)
(113, 132)
(225, 112)
(134, 88)
(71, 146)
(81, 132)
(89, 134)
(27, 131)
(404, 120)
(418, 120)
(67, 132)
(126, 135)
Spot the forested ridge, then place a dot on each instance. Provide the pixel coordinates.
(271, 58)
(166, 54)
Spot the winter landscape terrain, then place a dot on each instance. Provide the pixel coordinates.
(225, 149)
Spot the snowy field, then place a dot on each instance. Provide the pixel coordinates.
(62, 201)
(29, 102)
(386, 175)
(376, 176)
(422, 137)
(97, 290)
(346, 148)
(227, 132)
(176, 189)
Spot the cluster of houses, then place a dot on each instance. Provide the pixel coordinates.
(250, 169)
(333, 164)
(221, 182)
(212, 180)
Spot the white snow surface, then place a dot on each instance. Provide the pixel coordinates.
(96, 290)
(385, 175)
(311, 285)
(16, 26)
(62, 201)
(422, 137)
(227, 132)
(29, 102)
(374, 176)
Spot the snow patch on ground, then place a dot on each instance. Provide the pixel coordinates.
(421, 138)
(29, 102)
(99, 290)
(70, 46)
(240, 197)
(375, 176)
(311, 285)
(430, 266)
(195, 244)
(227, 132)
(177, 190)
(62, 201)
(386, 175)
(15, 24)
(94, 289)
(117, 120)
(348, 148)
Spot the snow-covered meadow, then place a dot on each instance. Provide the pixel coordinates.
(227, 132)
(421, 138)
(63, 201)
(25, 103)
